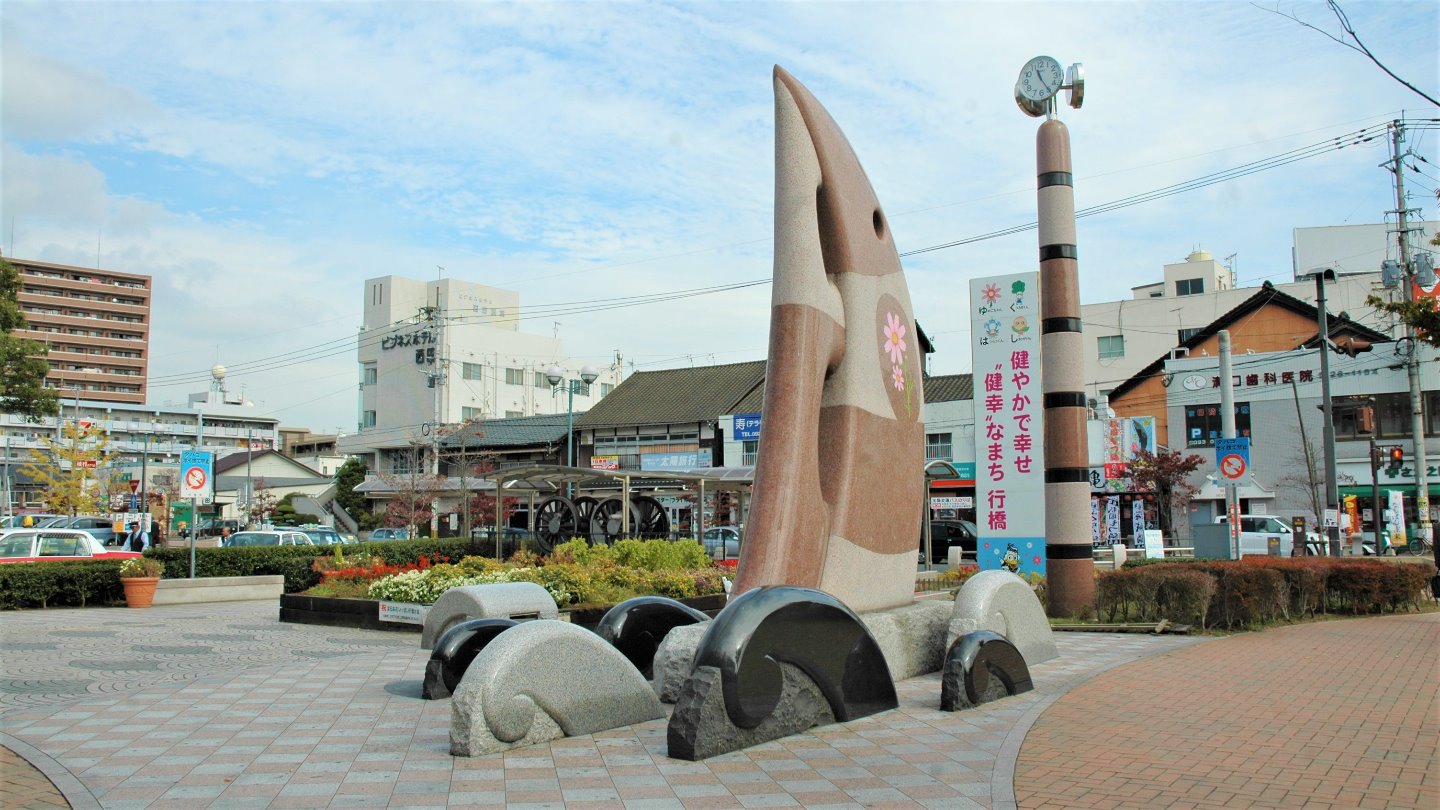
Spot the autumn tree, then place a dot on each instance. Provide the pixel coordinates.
(1167, 474)
(415, 490)
(69, 470)
(263, 502)
(22, 362)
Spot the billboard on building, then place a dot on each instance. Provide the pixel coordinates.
(1009, 434)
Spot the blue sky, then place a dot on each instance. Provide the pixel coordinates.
(261, 160)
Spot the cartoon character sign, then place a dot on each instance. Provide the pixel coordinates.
(1011, 561)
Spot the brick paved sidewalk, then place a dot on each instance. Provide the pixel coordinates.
(1340, 714)
(23, 785)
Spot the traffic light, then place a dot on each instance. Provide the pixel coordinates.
(1365, 420)
(1397, 457)
(1351, 346)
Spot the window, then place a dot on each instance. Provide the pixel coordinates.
(367, 419)
(472, 371)
(1432, 414)
(467, 413)
(605, 389)
(514, 376)
(1111, 346)
(371, 374)
(1202, 423)
(540, 380)
(1189, 286)
(1392, 418)
(937, 445)
(748, 452)
(1186, 334)
(513, 414)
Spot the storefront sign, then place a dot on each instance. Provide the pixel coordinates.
(1010, 465)
(746, 427)
(604, 462)
(408, 339)
(1154, 544)
(675, 461)
(952, 503)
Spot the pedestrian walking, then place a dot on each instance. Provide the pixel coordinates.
(137, 539)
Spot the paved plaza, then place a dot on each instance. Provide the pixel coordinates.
(222, 706)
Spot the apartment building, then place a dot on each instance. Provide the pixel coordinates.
(96, 323)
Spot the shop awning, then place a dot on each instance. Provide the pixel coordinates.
(1407, 489)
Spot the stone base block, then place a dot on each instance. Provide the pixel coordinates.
(911, 637)
(218, 589)
(673, 660)
(700, 727)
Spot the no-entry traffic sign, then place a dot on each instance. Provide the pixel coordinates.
(1233, 457)
(195, 475)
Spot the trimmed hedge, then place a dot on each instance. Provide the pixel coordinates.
(57, 584)
(1253, 591)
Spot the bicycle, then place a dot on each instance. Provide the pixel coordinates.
(1419, 546)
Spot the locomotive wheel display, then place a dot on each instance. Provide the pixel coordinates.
(584, 510)
(654, 522)
(605, 521)
(555, 523)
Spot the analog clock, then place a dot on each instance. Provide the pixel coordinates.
(1041, 78)
(1196, 382)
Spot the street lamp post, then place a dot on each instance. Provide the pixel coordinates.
(554, 375)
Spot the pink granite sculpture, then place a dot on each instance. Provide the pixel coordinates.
(838, 489)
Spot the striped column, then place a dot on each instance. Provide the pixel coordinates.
(1070, 569)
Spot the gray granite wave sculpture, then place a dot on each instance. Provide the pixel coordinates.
(543, 680)
(1006, 604)
(454, 652)
(637, 626)
(980, 667)
(740, 667)
(495, 600)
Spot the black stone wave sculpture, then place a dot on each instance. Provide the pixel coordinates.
(636, 626)
(454, 651)
(785, 659)
(980, 667)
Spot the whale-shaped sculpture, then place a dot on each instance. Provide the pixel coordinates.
(837, 487)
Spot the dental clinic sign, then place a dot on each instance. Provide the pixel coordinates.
(1009, 464)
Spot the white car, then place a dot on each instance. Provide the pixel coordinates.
(268, 537)
(55, 545)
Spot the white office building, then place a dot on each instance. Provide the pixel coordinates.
(438, 353)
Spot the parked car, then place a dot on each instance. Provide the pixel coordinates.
(947, 533)
(323, 536)
(54, 545)
(18, 521)
(210, 527)
(101, 528)
(722, 542)
(269, 537)
(390, 534)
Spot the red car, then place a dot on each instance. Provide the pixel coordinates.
(55, 545)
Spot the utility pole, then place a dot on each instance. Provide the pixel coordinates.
(1227, 430)
(1412, 364)
(435, 378)
(1327, 437)
(249, 457)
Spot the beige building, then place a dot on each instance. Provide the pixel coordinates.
(96, 323)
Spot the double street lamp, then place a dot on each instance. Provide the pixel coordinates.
(554, 375)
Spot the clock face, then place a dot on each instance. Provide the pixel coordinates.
(1195, 382)
(1040, 79)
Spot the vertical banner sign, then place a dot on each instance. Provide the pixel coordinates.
(1094, 521)
(1112, 519)
(1395, 519)
(1137, 520)
(1009, 460)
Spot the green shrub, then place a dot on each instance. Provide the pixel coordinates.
(1183, 596)
(56, 584)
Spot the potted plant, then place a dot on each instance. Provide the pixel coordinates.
(139, 576)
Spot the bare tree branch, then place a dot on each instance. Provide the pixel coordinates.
(1357, 45)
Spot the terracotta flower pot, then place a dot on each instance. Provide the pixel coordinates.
(139, 591)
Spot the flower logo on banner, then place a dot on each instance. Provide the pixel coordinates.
(992, 328)
(991, 293)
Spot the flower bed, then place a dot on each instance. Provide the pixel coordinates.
(575, 574)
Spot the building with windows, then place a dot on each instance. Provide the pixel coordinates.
(1122, 337)
(440, 353)
(96, 324)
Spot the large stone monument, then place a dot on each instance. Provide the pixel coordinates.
(837, 488)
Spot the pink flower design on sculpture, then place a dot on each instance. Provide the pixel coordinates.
(897, 376)
(991, 293)
(894, 338)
